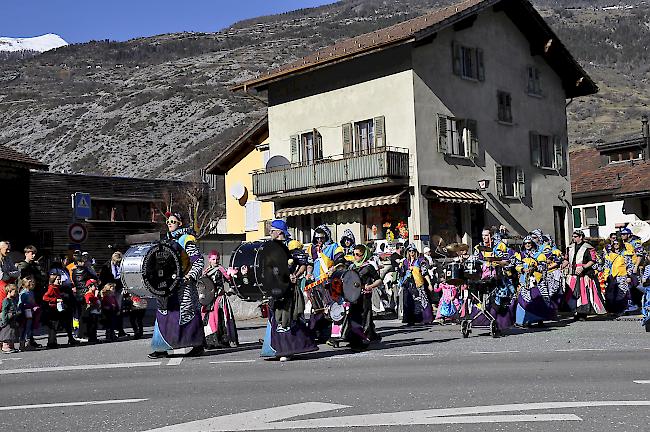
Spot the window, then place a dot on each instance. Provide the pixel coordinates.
(534, 86)
(468, 62)
(504, 102)
(306, 148)
(108, 210)
(364, 136)
(510, 181)
(589, 216)
(457, 137)
(253, 215)
(626, 155)
(546, 151)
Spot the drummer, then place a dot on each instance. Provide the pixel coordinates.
(286, 331)
(489, 248)
(325, 253)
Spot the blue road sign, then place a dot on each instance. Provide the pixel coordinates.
(82, 209)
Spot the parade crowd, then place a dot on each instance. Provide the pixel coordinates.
(527, 285)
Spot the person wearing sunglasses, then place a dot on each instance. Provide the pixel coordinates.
(582, 288)
(178, 319)
(416, 305)
(325, 253)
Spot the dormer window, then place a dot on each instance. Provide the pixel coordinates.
(625, 155)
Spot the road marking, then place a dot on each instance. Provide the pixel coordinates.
(411, 355)
(580, 349)
(494, 352)
(70, 404)
(79, 367)
(275, 418)
(174, 361)
(232, 361)
(642, 382)
(10, 358)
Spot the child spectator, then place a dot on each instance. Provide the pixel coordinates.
(52, 313)
(110, 311)
(30, 312)
(136, 307)
(90, 312)
(9, 319)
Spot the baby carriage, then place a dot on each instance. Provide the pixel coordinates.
(486, 304)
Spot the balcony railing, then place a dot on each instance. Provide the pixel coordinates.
(378, 164)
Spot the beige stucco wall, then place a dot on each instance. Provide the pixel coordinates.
(437, 90)
(236, 213)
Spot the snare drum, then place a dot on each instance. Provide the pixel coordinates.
(472, 270)
(454, 274)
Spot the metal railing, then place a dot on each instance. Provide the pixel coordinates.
(381, 163)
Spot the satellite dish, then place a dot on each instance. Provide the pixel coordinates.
(277, 162)
(640, 229)
(237, 191)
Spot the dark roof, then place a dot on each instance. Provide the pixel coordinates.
(16, 158)
(240, 148)
(575, 80)
(590, 176)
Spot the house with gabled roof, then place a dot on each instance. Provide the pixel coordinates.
(441, 125)
(610, 184)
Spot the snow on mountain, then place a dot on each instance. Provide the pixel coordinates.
(39, 43)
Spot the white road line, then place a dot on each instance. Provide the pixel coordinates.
(232, 361)
(494, 352)
(79, 367)
(411, 355)
(642, 382)
(580, 349)
(174, 361)
(70, 404)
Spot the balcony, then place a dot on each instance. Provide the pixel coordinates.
(359, 169)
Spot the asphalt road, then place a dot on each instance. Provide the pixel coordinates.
(581, 376)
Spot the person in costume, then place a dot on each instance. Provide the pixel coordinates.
(617, 271)
(416, 305)
(178, 319)
(287, 333)
(582, 283)
(534, 304)
(633, 251)
(348, 241)
(218, 317)
(325, 253)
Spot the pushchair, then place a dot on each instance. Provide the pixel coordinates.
(486, 305)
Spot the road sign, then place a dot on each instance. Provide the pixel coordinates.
(77, 233)
(81, 205)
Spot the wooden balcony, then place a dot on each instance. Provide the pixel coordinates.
(353, 170)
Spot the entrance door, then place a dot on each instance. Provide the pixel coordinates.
(559, 216)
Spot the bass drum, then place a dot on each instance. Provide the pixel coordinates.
(152, 269)
(262, 270)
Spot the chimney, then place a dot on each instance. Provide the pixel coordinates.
(646, 135)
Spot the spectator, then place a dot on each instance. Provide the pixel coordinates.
(68, 304)
(136, 307)
(80, 276)
(31, 312)
(91, 309)
(111, 273)
(110, 311)
(53, 309)
(8, 272)
(9, 319)
(59, 267)
(89, 263)
(31, 267)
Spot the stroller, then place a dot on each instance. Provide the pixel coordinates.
(486, 303)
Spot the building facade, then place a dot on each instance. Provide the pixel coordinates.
(390, 133)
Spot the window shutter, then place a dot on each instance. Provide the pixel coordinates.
(535, 151)
(602, 220)
(253, 212)
(295, 156)
(559, 153)
(455, 58)
(472, 128)
(347, 138)
(498, 179)
(380, 131)
(318, 145)
(577, 218)
(521, 183)
(442, 134)
(480, 68)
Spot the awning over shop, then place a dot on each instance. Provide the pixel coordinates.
(459, 196)
(341, 205)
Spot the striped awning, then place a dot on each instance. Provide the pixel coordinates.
(340, 205)
(457, 196)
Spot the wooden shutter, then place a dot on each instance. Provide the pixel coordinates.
(472, 146)
(318, 145)
(521, 183)
(535, 150)
(253, 214)
(577, 218)
(558, 151)
(602, 219)
(295, 155)
(380, 132)
(498, 179)
(480, 68)
(455, 58)
(442, 134)
(347, 138)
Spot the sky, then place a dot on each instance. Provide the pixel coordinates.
(83, 20)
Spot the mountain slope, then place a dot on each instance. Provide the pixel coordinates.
(39, 43)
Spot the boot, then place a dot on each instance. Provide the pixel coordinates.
(32, 342)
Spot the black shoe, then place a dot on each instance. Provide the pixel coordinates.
(157, 354)
(52, 345)
(195, 352)
(122, 334)
(73, 342)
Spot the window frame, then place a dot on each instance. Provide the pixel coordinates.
(533, 81)
(461, 137)
(370, 145)
(504, 107)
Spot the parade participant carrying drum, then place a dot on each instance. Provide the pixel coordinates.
(178, 319)
(218, 317)
(286, 331)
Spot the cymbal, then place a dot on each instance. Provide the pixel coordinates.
(484, 248)
(457, 247)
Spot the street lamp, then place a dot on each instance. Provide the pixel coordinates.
(483, 184)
